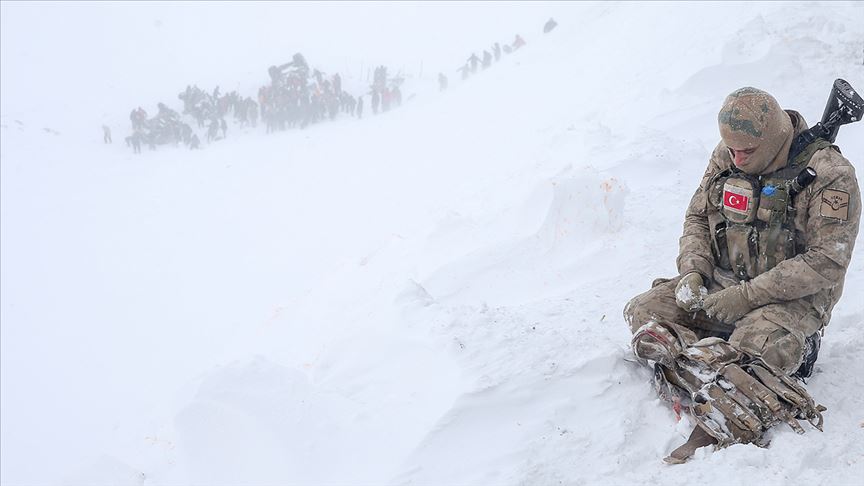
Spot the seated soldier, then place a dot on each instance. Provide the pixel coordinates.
(761, 265)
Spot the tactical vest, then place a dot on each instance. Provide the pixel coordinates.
(756, 232)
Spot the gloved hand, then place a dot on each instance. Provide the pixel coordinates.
(728, 305)
(690, 291)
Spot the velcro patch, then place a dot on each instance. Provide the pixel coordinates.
(835, 204)
(736, 201)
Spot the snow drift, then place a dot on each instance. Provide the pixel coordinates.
(429, 296)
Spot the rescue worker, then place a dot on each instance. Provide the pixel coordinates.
(376, 99)
(213, 130)
(473, 61)
(134, 141)
(487, 59)
(386, 98)
(396, 96)
(442, 82)
(518, 42)
(760, 267)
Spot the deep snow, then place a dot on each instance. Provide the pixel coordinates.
(430, 296)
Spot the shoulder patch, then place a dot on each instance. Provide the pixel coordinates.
(835, 204)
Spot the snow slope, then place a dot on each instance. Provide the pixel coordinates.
(429, 296)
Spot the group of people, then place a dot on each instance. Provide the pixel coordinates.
(167, 126)
(474, 61)
(385, 93)
(209, 108)
(493, 54)
(295, 97)
(298, 96)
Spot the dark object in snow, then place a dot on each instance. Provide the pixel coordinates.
(442, 82)
(487, 59)
(698, 438)
(518, 42)
(811, 352)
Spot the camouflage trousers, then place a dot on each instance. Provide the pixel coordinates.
(775, 332)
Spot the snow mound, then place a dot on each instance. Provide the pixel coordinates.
(583, 206)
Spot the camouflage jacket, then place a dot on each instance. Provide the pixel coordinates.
(826, 220)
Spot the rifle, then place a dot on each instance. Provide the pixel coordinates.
(844, 106)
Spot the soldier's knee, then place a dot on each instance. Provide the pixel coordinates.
(785, 353)
(655, 304)
(635, 313)
(776, 346)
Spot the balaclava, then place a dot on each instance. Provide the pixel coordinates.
(752, 118)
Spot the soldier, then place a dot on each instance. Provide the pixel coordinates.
(550, 24)
(760, 267)
(106, 134)
(359, 107)
(496, 50)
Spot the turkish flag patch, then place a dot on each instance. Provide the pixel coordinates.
(735, 201)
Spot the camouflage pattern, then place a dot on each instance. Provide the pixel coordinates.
(752, 119)
(731, 401)
(792, 300)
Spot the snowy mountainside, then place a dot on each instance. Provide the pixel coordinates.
(429, 296)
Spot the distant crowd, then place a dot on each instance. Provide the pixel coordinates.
(295, 97)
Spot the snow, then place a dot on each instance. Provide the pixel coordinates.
(685, 294)
(429, 296)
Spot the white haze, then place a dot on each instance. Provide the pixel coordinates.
(428, 296)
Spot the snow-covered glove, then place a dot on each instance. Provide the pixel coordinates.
(728, 305)
(690, 291)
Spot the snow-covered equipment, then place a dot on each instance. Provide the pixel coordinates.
(732, 397)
